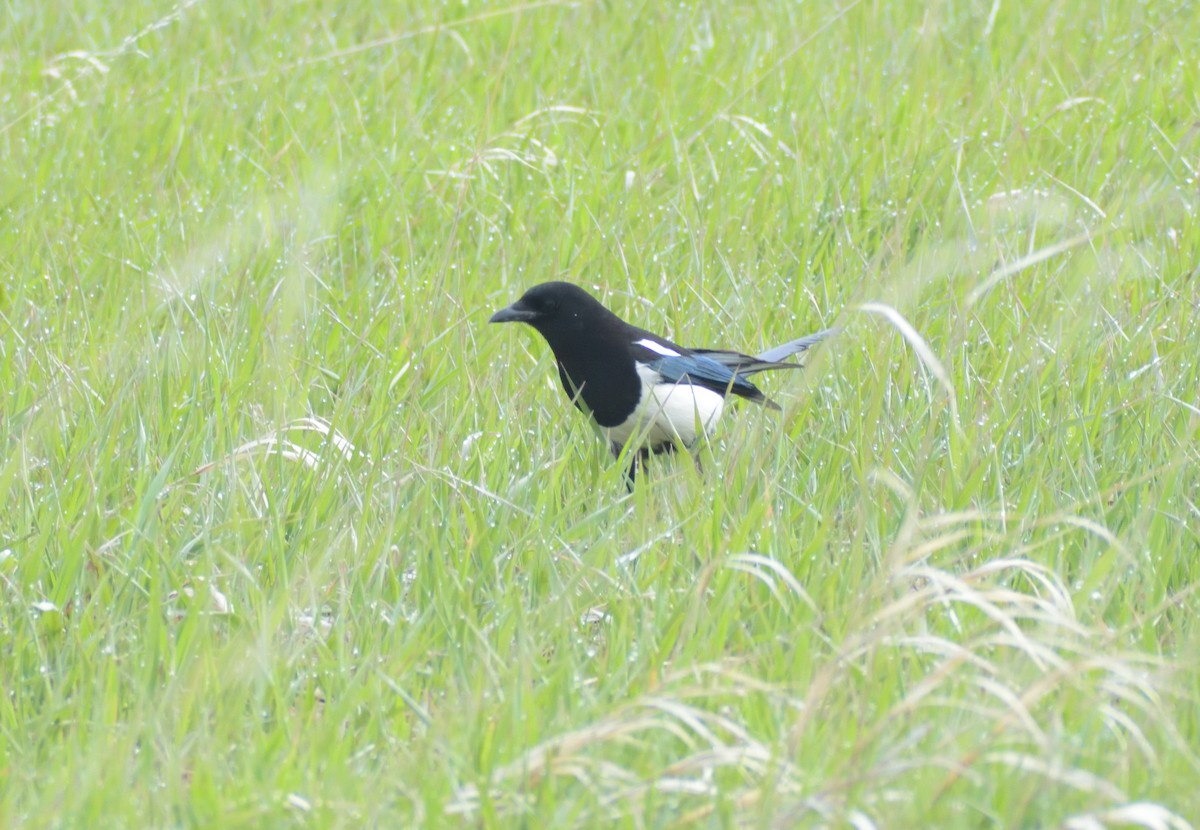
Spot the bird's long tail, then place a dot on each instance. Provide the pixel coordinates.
(745, 364)
(795, 347)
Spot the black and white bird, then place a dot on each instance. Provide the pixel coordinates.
(637, 387)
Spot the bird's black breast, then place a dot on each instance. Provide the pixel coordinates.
(609, 390)
(591, 345)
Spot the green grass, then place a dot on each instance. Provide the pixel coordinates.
(954, 584)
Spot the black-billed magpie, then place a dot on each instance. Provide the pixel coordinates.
(638, 387)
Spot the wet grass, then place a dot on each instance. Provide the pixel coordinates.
(290, 536)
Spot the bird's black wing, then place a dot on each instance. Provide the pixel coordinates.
(675, 364)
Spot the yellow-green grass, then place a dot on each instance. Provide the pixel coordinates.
(290, 537)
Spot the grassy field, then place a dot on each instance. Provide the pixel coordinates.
(290, 537)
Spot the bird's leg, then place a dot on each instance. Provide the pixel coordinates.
(634, 463)
(639, 461)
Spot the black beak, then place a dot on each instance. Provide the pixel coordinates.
(513, 314)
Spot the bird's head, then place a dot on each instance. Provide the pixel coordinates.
(552, 307)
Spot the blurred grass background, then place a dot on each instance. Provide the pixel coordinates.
(290, 537)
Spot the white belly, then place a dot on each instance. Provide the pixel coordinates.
(675, 413)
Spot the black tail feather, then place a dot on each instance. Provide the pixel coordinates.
(802, 344)
(745, 364)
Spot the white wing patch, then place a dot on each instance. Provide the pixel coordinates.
(668, 412)
(657, 348)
